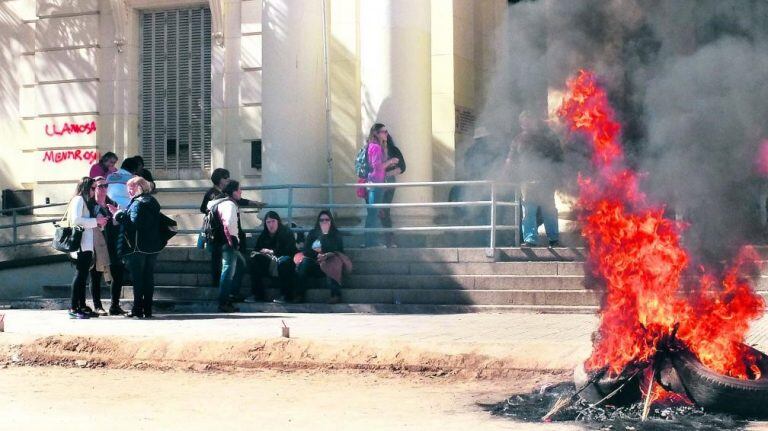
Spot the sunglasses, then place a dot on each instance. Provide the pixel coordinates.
(324, 219)
(383, 131)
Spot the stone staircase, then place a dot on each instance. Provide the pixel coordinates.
(404, 280)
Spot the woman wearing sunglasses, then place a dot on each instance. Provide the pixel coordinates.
(106, 263)
(379, 164)
(324, 257)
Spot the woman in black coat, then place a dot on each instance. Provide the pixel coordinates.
(139, 243)
(324, 239)
(273, 257)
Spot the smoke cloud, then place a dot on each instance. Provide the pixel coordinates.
(689, 82)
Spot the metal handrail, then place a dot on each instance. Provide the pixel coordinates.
(493, 204)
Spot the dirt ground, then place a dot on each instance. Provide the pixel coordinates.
(33, 398)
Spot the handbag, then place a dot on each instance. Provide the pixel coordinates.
(67, 238)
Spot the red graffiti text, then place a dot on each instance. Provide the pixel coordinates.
(70, 128)
(90, 156)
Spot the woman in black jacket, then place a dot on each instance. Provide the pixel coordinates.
(273, 257)
(323, 241)
(393, 171)
(139, 243)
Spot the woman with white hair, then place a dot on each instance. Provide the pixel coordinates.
(139, 242)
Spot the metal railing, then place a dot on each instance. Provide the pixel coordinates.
(493, 203)
(15, 225)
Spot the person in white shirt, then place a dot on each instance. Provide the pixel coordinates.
(79, 213)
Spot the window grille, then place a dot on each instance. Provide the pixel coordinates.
(175, 83)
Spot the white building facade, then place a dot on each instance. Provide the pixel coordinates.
(276, 91)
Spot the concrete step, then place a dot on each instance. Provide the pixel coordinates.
(381, 296)
(165, 306)
(415, 255)
(404, 268)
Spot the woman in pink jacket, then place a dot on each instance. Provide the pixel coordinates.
(378, 162)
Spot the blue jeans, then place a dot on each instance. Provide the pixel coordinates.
(372, 219)
(544, 201)
(233, 265)
(142, 269)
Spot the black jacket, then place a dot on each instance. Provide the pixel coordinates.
(282, 242)
(212, 194)
(328, 243)
(139, 227)
(393, 151)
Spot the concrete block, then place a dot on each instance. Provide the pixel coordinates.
(59, 7)
(250, 87)
(66, 98)
(250, 51)
(404, 255)
(501, 282)
(250, 16)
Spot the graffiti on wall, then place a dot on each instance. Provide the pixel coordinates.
(58, 156)
(70, 129)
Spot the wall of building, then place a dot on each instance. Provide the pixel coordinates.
(71, 93)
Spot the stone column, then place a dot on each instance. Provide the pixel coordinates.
(293, 98)
(395, 72)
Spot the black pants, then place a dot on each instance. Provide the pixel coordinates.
(286, 275)
(309, 268)
(215, 265)
(142, 268)
(117, 271)
(82, 266)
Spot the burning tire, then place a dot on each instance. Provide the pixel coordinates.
(605, 385)
(720, 393)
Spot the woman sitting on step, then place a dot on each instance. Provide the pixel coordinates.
(324, 257)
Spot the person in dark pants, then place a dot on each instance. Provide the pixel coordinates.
(388, 195)
(220, 179)
(79, 213)
(232, 236)
(322, 241)
(139, 243)
(273, 256)
(116, 269)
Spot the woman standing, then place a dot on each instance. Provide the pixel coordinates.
(396, 167)
(324, 256)
(107, 262)
(79, 213)
(139, 243)
(378, 163)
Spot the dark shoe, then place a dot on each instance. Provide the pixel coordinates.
(237, 298)
(133, 315)
(78, 314)
(527, 245)
(280, 300)
(116, 311)
(100, 311)
(554, 244)
(147, 316)
(228, 308)
(334, 300)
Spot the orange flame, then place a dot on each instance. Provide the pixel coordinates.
(636, 254)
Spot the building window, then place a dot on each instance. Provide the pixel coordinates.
(175, 85)
(256, 154)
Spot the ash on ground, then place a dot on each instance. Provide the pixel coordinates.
(533, 406)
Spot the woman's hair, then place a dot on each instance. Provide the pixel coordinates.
(332, 230)
(373, 135)
(130, 164)
(141, 183)
(231, 188)
(83, 188)
(273, 215)
(107, 156)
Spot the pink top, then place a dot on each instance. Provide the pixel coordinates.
(98, 171)
(761, 161)
(376, 161)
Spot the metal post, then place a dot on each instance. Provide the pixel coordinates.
(491, 252)
(290, 205)
(15, 227)
(328, 107)
(517, 218)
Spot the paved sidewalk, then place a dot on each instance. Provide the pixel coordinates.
(529, 341)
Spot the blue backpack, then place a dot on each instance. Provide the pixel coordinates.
(362, 167)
